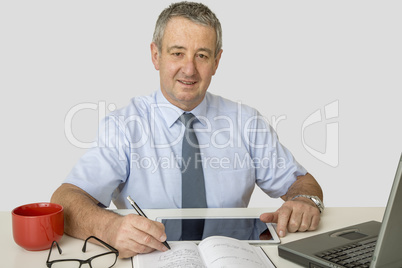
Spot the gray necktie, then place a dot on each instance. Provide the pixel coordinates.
(193, 186)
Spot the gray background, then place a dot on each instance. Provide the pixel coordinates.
(288, 59)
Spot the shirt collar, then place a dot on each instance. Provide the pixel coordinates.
(171, 112)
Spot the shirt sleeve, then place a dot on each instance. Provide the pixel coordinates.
(105, 166)
(275, 167)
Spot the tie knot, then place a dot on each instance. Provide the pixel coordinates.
(187, 119)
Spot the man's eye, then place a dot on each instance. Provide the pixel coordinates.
(177, 54)
(202, 56)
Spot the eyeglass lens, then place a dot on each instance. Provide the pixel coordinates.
(104, 261)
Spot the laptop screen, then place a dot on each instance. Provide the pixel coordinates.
(388, 249)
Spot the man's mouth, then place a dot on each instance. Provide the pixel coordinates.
(187, 82)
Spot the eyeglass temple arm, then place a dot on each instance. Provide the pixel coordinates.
(50, 251)
(84, 248)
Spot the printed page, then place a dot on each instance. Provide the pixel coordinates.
(182, 254)
(218, 251)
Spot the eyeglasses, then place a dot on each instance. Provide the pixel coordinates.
(104, 260)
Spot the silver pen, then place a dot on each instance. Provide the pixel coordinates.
(141, 213)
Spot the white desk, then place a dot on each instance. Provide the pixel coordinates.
(14, 256)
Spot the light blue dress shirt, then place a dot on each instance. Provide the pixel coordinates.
(138, 153)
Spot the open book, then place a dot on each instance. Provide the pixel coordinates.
(214, 251)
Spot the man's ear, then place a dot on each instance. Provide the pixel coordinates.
(217, 59)
(155, 55)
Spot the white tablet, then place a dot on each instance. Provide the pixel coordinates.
(195, 229)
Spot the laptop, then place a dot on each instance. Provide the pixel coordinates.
(369, 244)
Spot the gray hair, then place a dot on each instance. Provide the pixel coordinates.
(196, 12)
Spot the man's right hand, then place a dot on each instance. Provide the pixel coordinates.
(133, 234)
(130, 235)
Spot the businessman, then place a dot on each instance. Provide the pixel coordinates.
(183, 147)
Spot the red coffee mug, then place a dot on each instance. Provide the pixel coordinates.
(36, 226)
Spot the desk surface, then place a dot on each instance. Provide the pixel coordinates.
(14, 256)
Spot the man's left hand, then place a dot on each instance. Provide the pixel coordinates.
(294, 216)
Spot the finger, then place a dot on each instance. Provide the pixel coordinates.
(273, 217)
(304, 217)
(153, 228)
(131, 248)
(284, 214)
(315, 221)
(130, 239)
(269, 217)
(144, 242)
(305, 223)
(149, 233)
(295, 220)
(125, 241)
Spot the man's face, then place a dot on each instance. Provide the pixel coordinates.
(186, 62)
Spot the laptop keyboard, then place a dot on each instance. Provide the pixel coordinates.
(354, 255)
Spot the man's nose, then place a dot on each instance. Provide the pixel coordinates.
(189, 67)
